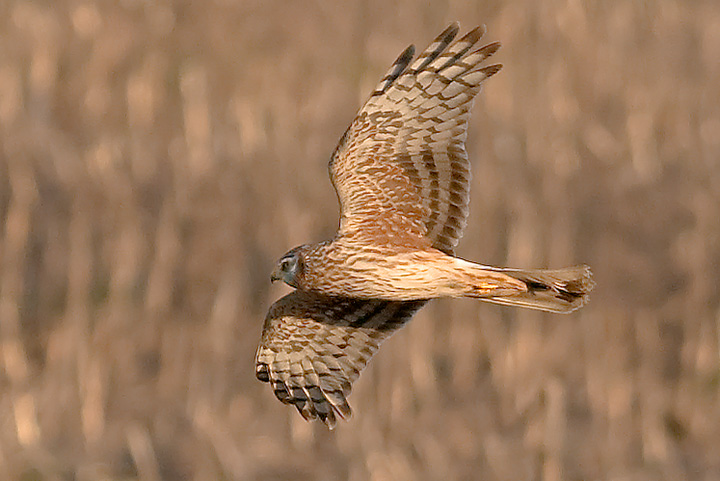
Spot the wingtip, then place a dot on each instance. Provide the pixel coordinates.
(489, 49)
(453, 28)
(491, 70)
(262, 373)
(406, 55)
(447, 35)
(474, 35)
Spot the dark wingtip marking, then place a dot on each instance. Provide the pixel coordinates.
(469, 39)
(281, 392)
(397, 69)
(491, 70)
(474, 35)
(450, 32)
(437, 47)
(406, 56)
(489, 49)
(262, 372)
(329, 419)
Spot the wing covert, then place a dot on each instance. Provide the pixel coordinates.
(401, 171)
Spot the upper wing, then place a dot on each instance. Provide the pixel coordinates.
(313, 348)
(400, 170)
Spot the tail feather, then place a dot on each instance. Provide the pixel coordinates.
(554, 290)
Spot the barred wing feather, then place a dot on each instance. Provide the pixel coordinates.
(401, 171)
(313, 348)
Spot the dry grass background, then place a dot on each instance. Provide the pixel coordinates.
(157, 157)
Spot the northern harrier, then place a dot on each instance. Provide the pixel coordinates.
(402, 178)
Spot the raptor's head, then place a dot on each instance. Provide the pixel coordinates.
(289, 268)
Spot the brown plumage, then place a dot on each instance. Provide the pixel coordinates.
(402, 177)
(313, 348)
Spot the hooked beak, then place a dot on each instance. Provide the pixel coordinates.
(275, 276)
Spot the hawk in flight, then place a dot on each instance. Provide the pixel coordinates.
(402, 177)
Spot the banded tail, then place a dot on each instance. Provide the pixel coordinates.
(553, 290)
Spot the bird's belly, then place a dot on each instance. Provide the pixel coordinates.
(398, 277)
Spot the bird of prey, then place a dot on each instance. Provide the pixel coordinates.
(402, 177)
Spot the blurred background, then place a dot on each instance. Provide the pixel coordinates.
(156, 158)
